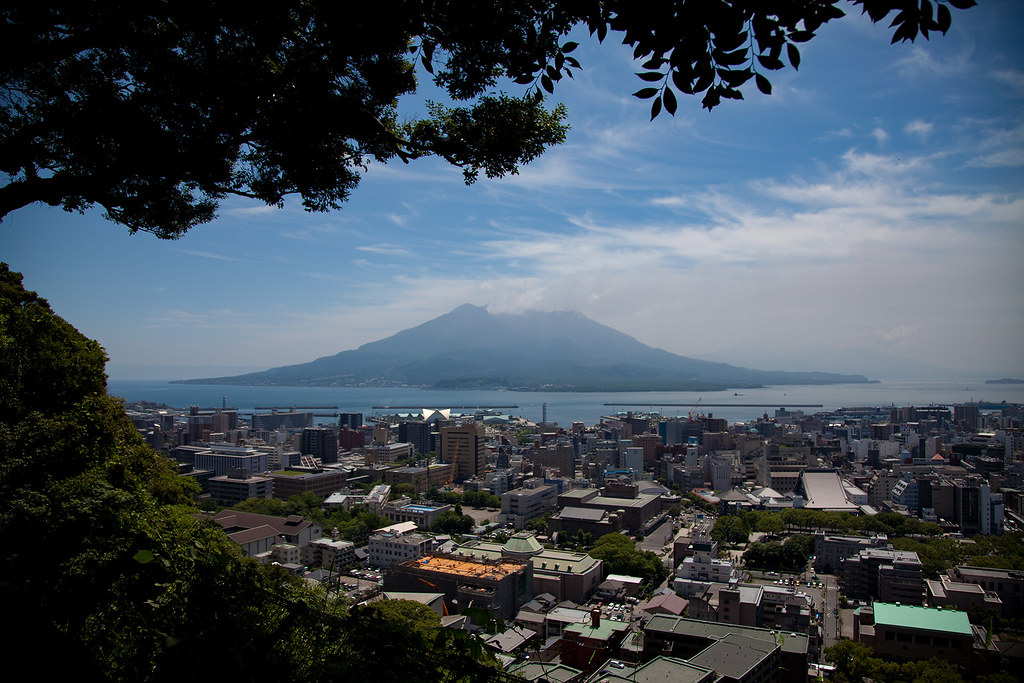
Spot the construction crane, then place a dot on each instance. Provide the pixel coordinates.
(693, 415)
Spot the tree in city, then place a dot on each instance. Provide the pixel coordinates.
(730, 529)
(114, 575)
(621, 556)
(157, 112)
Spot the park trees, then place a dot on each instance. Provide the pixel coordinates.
(621, 556)
(157, 112)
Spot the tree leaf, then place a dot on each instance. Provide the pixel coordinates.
(427, 64)
(794, 55)
(963, 4)
(546, 83)
(669, 98)
(763, 84)
(771, 63)
(655, 108)
(645, 93)
(570, 46)
(144, 556)
(943, 19)
(651, 76)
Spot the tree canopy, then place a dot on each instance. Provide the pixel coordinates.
(157, 112)
(114, 575)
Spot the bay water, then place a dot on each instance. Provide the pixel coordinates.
(567, 407)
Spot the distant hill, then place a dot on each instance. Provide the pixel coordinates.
(470, 348)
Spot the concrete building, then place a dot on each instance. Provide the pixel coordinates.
(424, 515)
(293, 482)
(387, 454)
(906, 632)
(744, 659)
(463, 445)
(883, 574)
(634, 509)
(389, 547)
(701, 568)
(831, 549)
(323, 552)
(237, 486)
(518, 506)
(222, 459)
(320, 443)
(564, 575)
(501, 586)
(589, 645)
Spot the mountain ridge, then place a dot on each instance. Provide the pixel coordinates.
(471, 348)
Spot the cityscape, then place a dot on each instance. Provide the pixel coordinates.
(513, 342)
(859, 525)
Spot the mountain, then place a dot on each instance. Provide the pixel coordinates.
(878, 364)
(556, 351)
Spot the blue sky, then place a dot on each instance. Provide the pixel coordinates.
(874, 201)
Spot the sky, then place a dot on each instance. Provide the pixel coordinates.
(874, 201)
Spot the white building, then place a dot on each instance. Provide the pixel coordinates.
(702, 568)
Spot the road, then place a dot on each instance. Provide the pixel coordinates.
(830, 619)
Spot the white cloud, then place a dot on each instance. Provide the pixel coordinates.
(919, 128)
(879, 134)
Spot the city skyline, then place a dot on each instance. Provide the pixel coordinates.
(874, 201)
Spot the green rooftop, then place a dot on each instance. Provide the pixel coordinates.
(922, 618)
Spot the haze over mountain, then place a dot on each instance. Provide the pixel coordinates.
(473, 348)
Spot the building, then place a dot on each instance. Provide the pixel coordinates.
(1008, 584)
(222, 459)
(323, 552)
(425, 516)
(350, 420)
(273, 421)
(320, 443)
(387, 454)
(288, 483)
(633, 508)
(831, 549)
(702, 567)
(883, 574)
(293, 530)
(419, 434)
(393, 545)
(463, 445)
(237, 486)
(744, 657)
(500, 586)
(518, 506)
(562, 574)
(907, 632)
(421, 478)
(589, 645)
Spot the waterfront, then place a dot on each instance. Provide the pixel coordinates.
(567, 407)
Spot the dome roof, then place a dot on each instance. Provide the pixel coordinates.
(522, 543)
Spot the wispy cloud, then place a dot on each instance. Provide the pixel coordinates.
(212, 255)
(919, 128)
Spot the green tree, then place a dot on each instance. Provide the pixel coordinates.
(730, 529)
(621, 556)
(158, 111)
(770, 524)
(452, 522)
(115, 577)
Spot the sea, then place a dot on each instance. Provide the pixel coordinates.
(564, 408)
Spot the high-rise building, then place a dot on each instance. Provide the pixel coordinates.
(418, 434)
(464, 446)
(320, 442)
(350, 420)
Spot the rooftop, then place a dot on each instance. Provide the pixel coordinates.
(446, 564)
(922, 618)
